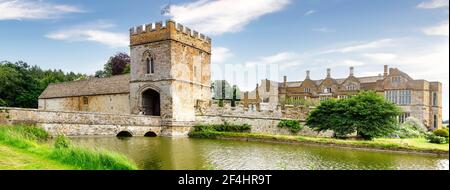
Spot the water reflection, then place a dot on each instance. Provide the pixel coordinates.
(192, 154)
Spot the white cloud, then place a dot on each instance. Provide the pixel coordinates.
(324, 30)
(348, 63)
(28, 10)
(280, 57)
(220, 55)
(362, 46)
(380, 57)
(215, 17)
(284, 60)
(92, 32)
(433, 4)
(439, 30)
(310, 12)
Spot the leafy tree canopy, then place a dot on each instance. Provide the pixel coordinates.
(22, 84)
(367, 113)
(116, 65)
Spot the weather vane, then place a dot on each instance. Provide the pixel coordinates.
(166, 9)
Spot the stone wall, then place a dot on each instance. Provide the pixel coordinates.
(82, 123)
(112, 103)
(265, 125)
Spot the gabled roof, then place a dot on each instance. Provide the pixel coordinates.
(370, 79)
(119, 84)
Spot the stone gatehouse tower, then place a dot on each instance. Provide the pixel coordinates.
(170, 76)
(170, 73)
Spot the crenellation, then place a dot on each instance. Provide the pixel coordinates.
(187, 31)
(140, 29)
(159, 25)
(133, 31)
(180, 27)
(162, 30)
(150, 27)
(195, 34)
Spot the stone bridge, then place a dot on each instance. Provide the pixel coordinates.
(85, 124)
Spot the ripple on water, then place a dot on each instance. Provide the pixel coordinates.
(184, 153)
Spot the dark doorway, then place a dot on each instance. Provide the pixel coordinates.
(150, 103)
(124, 134)
(150, 134)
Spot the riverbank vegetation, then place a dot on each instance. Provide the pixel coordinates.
(294, 126)
(367, 115)
(392, 144)
(30, 144)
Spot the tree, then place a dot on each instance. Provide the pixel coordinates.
(116, 65)
(331, 115)
(367, 113)
(21, 85)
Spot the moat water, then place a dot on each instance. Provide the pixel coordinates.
(161, 153)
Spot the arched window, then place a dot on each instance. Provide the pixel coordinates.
(147, 64)
(150, 66)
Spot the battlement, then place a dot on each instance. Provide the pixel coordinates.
(160, 31)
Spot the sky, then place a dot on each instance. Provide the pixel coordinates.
(256, 39)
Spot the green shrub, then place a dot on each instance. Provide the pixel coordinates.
(293, 125)
(416, 125)
(62, 142)
(226, 127)
(405, 132)
(411, 128)
(432, 138)
(368, 114)
(441, 132)
(221, 103)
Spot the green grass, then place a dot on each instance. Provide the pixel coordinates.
(30, 142)
(416, 145)
(14, 159)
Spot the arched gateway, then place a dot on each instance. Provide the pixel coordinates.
(151, 103)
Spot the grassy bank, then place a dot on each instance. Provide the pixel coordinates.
(26, 148)
(411, 145)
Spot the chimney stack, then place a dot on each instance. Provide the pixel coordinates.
(285, 81)
(352, 71)
(308, 75)
(328, 73)
(386, 68)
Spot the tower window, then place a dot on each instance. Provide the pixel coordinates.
(150, 66)
(85, 100)
(435, 99)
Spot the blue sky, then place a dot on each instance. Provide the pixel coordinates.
(291, 36)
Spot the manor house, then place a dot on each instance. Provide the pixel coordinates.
(417, 98)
